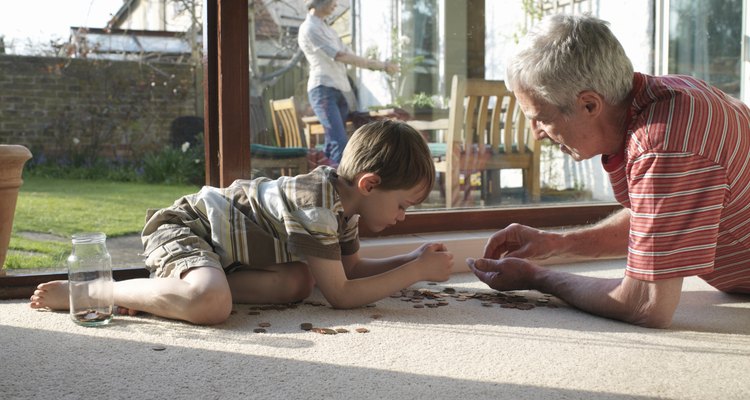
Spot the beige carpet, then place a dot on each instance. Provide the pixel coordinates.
(463, 349)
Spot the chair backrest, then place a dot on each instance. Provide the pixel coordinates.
(286, 125)
(485, 113)
(259, 128)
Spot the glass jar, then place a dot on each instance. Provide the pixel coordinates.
(90, 280)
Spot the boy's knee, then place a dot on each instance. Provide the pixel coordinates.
(210, 306)
(300, 283)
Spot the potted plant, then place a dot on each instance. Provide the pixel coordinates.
(12, 159)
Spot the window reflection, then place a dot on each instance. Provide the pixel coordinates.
(705, 39)
(433, 41)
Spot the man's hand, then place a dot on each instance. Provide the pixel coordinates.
(504, 274)
(521, 241)
(650, 304)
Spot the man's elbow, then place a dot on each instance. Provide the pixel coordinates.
(651, 316)
(651, 304)
(653, 320)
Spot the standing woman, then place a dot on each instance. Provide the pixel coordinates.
(328, 87)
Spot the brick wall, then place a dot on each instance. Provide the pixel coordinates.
(62, 106)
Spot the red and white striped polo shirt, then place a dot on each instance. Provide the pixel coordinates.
(685, 175)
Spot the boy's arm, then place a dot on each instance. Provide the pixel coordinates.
(342, 292)
(357, 267)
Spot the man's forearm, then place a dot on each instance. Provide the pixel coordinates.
(585, 293)
(650, 304)
(607, 238)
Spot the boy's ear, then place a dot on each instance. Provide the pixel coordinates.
(367, 182)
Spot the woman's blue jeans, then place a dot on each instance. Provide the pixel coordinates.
(332, 110)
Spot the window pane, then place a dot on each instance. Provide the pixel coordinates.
(428, 39)
(108, 97)
(704, 41)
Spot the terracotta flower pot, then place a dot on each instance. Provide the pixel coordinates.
(12, 159)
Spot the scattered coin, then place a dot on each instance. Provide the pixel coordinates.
(264, 324)
(419, 306)
(324, 331)
(158, 348)
(306, 326)
(259, 330)
(362, 330)
(341, 330)
(376, 316)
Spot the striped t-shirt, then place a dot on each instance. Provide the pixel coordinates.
(684, 174)
(263, 222)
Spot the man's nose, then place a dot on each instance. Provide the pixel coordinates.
(538, 132)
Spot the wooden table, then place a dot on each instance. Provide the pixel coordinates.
(314, 129)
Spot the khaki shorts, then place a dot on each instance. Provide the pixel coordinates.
(173, 249)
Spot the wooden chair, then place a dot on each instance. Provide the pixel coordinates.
(289, 156)
(315, 133)
(486, 133)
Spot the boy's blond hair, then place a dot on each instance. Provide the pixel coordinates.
(394, 151)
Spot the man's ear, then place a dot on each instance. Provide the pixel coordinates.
(591, 102)
(367, 182)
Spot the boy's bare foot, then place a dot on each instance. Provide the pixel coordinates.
(125, 311)
(53, 295)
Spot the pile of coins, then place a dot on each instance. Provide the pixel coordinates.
(421, 298)
(432, 299)
(89, 316)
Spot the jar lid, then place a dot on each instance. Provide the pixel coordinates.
(89, 237)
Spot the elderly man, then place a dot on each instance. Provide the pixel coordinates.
(677, 152)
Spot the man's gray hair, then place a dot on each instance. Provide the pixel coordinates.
(564, 55)
(310, 4)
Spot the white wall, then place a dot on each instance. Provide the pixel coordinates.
(373, 22)
(629, 21)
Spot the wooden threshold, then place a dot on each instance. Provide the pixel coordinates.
(23, 286)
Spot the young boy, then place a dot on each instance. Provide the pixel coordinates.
(271, 241)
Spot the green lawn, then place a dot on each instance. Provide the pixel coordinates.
(62, 207)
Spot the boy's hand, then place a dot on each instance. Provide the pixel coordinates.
(427, 247)
(435, 262)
